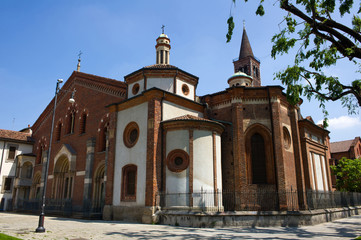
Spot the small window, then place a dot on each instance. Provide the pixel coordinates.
(83, 123)
(286, 138)
(71, 122)
(7, 184)
(185, 89)
(131, 134)
(135, 88)
(12, 151)
(104, 137)
(177, 160)
(129, 183)
(58, 131)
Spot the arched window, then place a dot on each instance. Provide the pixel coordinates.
(83, 123)
(258, 157)
(71, 121)
(58, 131)
(103, 137)
(41, 153)
(129, 183)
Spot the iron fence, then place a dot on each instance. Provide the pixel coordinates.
(336, 199)
(257, 200)
(63, 207)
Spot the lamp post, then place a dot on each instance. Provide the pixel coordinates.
(40, 228)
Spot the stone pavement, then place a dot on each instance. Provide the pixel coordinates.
(23, 226)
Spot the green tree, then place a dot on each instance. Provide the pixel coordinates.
(310, 27)
(348, 172)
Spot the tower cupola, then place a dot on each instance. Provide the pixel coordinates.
(240, 79)
(162, 48)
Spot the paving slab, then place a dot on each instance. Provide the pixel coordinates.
(23, 226)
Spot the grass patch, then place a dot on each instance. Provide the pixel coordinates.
(7, 237)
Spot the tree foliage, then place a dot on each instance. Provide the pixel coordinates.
(310, 27)
(348, 172)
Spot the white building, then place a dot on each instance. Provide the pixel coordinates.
(14, 146)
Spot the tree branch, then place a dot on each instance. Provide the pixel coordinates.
(317, 27)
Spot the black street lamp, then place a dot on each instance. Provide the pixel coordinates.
(40, 228)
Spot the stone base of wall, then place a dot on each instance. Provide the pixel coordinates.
(254, 219)
(130, 214)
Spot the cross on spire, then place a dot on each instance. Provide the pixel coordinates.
(80, 53)
(79, 59)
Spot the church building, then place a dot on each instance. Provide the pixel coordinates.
(128, 150)
(240, 145)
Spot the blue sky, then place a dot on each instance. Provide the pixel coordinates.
(40, 41)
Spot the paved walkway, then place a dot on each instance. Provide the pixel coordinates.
(23, 226)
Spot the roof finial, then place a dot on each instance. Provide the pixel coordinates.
(244, 24)
(162, 29)
(79, 60)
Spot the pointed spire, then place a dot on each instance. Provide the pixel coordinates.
(79, 60)
(246, 49)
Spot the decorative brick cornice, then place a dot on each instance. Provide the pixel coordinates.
(156, 93)
(161, 71)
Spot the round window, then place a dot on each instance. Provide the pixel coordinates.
(131, 134)
(286, 138)
(177, 160)
(185, 89)
(135, 88)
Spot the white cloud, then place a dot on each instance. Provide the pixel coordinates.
(343, 122)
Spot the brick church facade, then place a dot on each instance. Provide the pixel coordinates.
(128, 148)
(244, 140)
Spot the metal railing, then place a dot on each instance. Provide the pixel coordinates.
(257, 200)
(58, 206)
(336, 199)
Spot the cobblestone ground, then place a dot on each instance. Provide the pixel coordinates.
(23, 226)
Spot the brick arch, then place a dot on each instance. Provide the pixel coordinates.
(36, 186)
(63, 178)
(99, 186)
(253, 132)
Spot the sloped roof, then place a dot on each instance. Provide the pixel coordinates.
(161, 66)
(158, 67)
(341, 146)
(14, 135)
(188, 117)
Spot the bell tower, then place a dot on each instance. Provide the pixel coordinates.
(162, 48)
(247, 62)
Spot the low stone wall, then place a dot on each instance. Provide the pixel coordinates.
(130, 214)
(253, 218)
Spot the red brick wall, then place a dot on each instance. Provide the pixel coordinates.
(92, 96)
